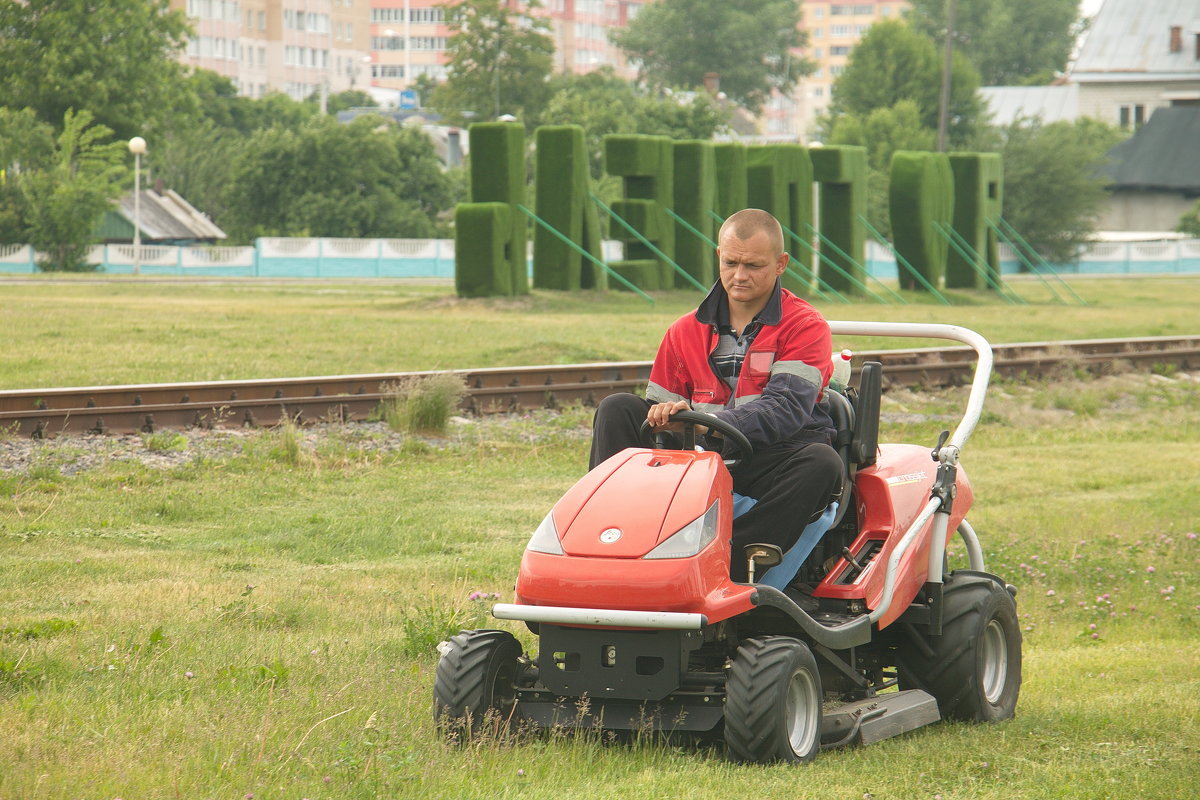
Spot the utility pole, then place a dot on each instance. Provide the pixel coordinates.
(947, 66)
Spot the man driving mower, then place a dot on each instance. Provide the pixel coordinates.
(758, 357)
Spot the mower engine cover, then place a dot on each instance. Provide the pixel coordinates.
(645, 530)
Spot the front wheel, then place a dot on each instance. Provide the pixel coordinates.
(974, 668)
(475, 684)
(773, 702)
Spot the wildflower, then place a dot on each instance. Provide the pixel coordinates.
(1092, 627)
(1150, 569)
(1095, 636)
(520, 773)
(1192, 536)
(189, 675)
(1049, 593)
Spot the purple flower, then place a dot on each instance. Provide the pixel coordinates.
(1150, 569)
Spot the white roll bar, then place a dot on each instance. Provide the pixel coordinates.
(950, 451)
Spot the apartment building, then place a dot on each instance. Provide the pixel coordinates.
(300, 47)
(409, 37)
(833, 29)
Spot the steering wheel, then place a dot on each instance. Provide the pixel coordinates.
(690, 419)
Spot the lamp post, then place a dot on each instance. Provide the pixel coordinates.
(137, 146)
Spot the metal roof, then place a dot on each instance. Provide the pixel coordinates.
(1164, 154)
(168, 216)
(1050, 103)
(1133, 36)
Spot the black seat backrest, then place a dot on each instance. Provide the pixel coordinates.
(857, 427)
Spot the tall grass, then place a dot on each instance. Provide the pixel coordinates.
(260, 627)
(423, 404)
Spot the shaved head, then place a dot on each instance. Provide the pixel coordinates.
(749, 221)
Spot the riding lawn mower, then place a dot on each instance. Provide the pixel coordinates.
(857, 633)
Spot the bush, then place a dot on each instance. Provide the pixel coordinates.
(423, 404)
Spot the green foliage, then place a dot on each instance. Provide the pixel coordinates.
(603, 104)
(646, 165)
(363, 179)
(499, 62)
(978, 199)
(732, 187)
(1010, 43)
(891, 63)
(117, 61)
(563, 202)
(498, 176)
(921, 194)
(779, 179)
(1189, 223)
(695, 197)
(482, 249)
(883, 132)
(1053, 190)
(423, 404)
(747, 43)
(842, 173)
(64, 199)
(165, 441)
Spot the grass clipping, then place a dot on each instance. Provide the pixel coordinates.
(423, 404)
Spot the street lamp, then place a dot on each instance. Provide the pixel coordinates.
(137, 146)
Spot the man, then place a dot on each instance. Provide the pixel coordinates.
(758, 357)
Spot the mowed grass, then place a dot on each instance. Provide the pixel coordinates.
(83, 333)
(263, 623)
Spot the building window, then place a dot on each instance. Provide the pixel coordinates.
(840, 50)
(840, 30)
(837, 69)
(864, 11)
(840, 10)
(387, 43)
(818, 33)
(387, 70)
(1132, 114)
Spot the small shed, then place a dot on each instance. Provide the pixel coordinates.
(165, 218)
(1155, 175)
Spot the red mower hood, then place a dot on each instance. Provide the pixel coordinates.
(638, 498)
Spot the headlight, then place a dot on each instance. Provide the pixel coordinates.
(690, 539)
(545, 538)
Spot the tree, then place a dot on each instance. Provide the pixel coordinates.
(65, 199)
(26, 144)
(499, 62)
(883, 131)
(1014, 42)
(1053, 188)
(1189, 223)
(367, 178)
(603, 103)
(892, 62)
(115, 60)
(747, 43)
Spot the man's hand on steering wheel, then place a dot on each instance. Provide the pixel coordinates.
(659, 416)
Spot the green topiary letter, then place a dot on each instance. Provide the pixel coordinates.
(842, 173)
(695, 195)
(498, 176)
(921, 199)
(779, 180)
(562, 187)
(978, 197)
(646, 165)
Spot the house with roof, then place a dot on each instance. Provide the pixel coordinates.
(164, 218)
(1137, 56)
(1155, 174)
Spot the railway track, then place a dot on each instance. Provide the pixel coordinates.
(45, 413)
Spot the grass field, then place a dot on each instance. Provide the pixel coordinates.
(260, 623)
(82, 333)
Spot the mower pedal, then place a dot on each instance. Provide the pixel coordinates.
(876, 718)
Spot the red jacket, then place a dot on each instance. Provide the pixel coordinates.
(787, 365)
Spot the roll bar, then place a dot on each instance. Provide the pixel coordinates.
(949, 452)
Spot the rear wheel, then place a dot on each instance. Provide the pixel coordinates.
(773, 702)
(974, 668)
(475, 684)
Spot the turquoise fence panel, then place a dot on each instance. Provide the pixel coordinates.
(17, 258)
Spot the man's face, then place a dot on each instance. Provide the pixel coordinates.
(749, 267)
